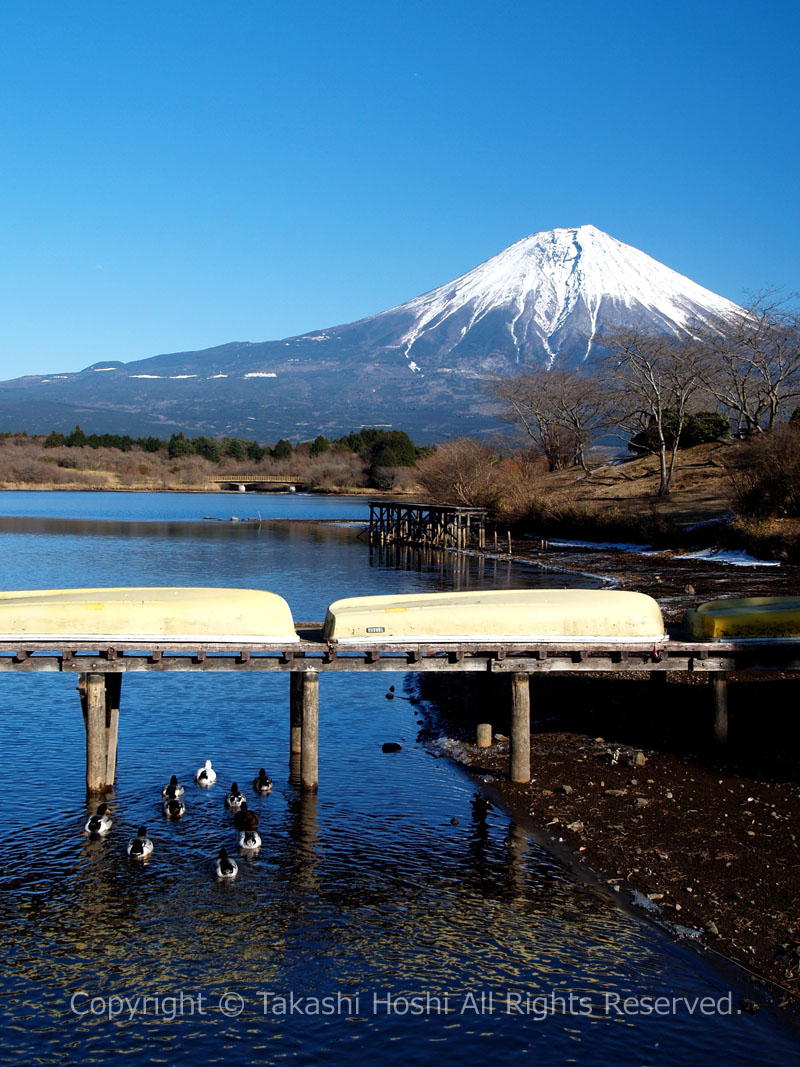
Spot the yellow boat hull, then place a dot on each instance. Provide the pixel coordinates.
(507, 615)
(745, 618)
(146, 614)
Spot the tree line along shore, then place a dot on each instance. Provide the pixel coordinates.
(738, 492)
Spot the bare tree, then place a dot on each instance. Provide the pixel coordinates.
(650, 382)
(461, 471)
(751, 365)
(560, 409)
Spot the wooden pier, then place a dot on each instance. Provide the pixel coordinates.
(100, 672)
(427, 525)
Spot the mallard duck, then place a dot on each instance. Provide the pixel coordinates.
(174, 808)
(140, 847)
(100, 822)
(263, 783)
(205, 775)
(244, 819)
(250, 839)
(226, 867)
(234, 799)
(173, 789)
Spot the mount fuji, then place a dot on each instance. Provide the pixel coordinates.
(421, 366)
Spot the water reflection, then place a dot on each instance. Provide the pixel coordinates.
(396, 878)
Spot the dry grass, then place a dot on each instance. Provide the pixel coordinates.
(701, 488)
(25, 462)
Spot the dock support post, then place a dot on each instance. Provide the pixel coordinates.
(309, 769)
(113, 685)
(520, 769)
(96, 743)
(295, 713)
(719, 685)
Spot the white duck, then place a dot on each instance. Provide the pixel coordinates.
(205, 775)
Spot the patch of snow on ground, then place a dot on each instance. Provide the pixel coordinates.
(730, 556)
(733, 558)
(174, 377)
(261, 374)
(599, 546)
(145, 376)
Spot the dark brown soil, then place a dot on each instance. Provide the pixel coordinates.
(624, 776)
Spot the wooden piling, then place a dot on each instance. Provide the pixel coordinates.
(295, 713)
(484, 735)
(719, 688)
(113, 693)
(520, 762)
(309, 766)
(96, 743)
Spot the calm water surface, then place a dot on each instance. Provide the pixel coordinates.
(406, 917)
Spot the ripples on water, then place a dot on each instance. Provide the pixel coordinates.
(370, 889)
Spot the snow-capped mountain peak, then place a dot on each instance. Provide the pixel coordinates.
(422, 366)
(549, 290)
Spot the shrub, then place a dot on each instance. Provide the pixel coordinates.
(697, 429)
(765, 473)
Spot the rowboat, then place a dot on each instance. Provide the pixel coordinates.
(745, 618)
(508, 615)
(143, 613)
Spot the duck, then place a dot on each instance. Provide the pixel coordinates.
(100, 822)
(263, 783)
(174, 808)
(250, 839)
(226, 868)
(173, 789)
(234, 799)
(140, 847)
(205, 775)
(244, 819)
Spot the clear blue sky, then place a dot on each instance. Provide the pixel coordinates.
(176, 174)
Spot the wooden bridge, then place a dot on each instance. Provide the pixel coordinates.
(100, 672)
(254, 481)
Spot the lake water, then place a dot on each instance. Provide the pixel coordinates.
(396, 914)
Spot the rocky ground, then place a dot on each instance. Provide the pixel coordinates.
(624, 777)
(712, 850)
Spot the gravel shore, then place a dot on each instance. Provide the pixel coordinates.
(625, 783)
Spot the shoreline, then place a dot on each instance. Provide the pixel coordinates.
(709, 895)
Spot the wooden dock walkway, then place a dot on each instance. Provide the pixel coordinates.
(100, 672)
(429, 525)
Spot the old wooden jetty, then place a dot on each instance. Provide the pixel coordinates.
(427, 525)
(100, 671)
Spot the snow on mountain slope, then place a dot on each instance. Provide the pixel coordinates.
(421, 366)
(552, 288)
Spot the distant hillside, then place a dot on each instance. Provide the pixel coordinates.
(422, 366)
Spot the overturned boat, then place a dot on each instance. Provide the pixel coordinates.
(754, 618)
(503, 615)
(142, 613)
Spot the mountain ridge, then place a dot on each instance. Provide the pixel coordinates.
(420, 366)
